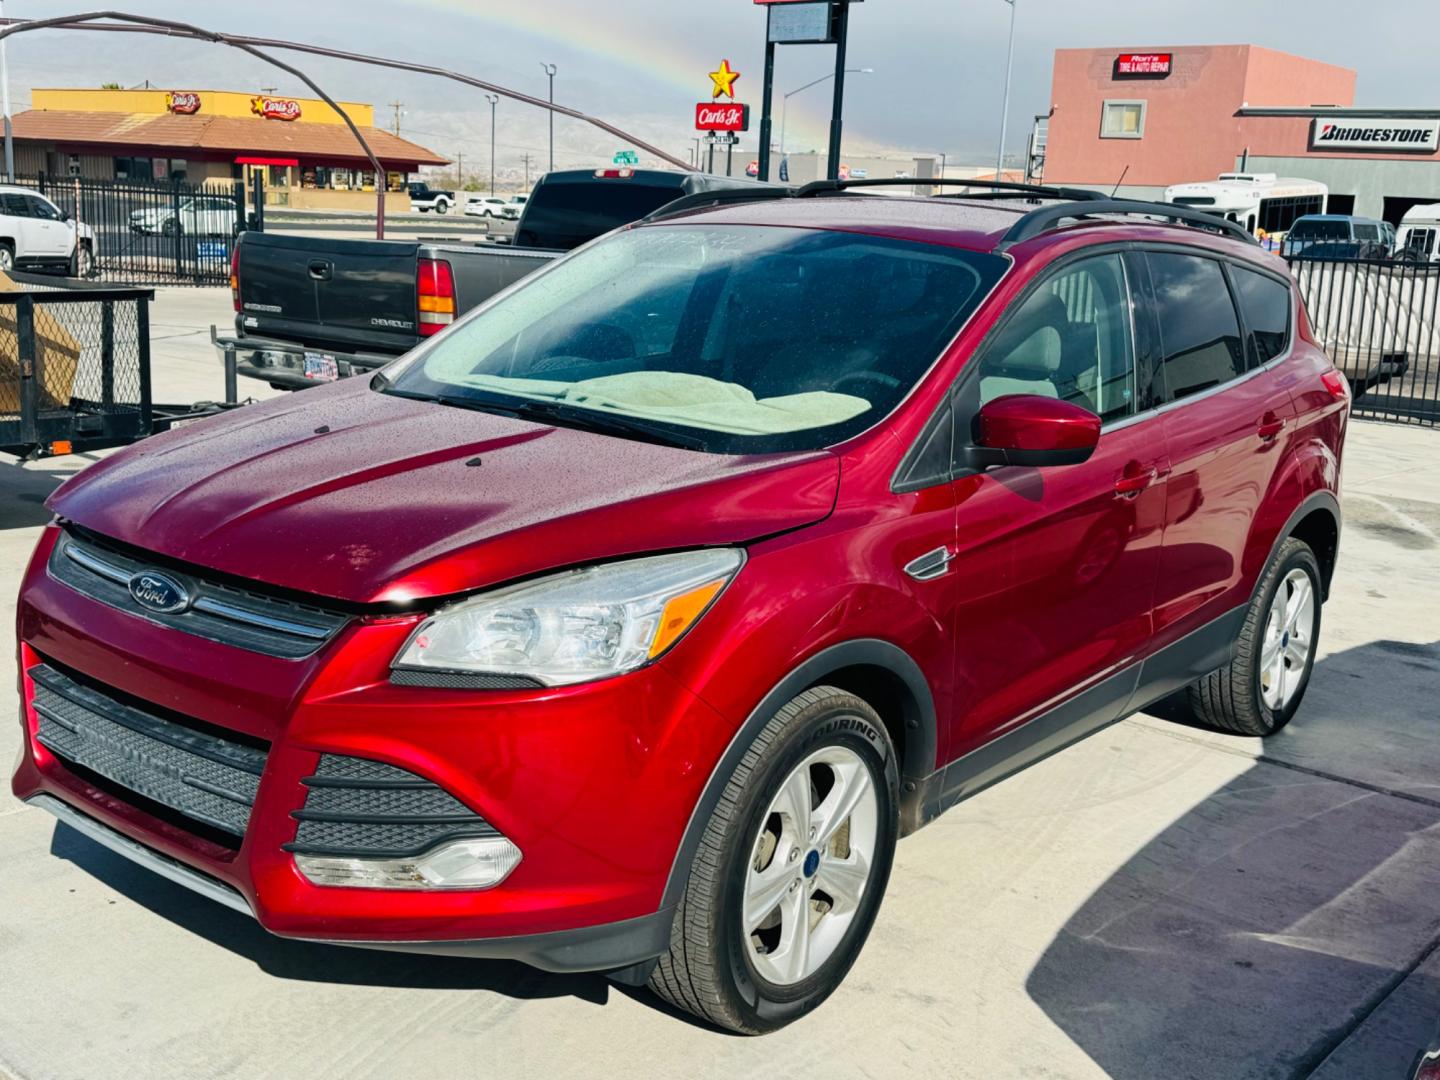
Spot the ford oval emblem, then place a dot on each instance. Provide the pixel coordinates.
(158, 593)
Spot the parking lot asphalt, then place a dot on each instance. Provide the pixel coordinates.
(1158, 901)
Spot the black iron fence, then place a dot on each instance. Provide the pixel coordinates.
(151, 232)
(1380, 322)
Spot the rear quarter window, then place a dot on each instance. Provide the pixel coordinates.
(1265, 304)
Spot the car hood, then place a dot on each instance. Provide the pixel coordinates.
(348, 493)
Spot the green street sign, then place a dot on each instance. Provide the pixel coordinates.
(626, 157)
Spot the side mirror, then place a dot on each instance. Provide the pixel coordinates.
(1026, 429)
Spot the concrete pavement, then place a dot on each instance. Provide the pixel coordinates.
(1155, 902)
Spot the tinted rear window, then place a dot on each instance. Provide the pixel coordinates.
(567, 215)
(1321, 230)
(1199, 333)
(1265, 304)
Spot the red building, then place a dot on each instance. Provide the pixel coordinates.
(1146, 118)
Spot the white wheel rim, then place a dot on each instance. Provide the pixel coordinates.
(810, 865)
(1287, 646)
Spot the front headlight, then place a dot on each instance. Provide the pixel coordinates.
(578, 625)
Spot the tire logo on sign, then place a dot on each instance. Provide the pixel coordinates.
(158, 593)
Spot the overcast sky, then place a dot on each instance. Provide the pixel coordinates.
(936, 86)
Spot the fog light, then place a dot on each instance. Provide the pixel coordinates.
(459, 864)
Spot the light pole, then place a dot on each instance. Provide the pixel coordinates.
(550, 70)
(785, 100)
(5, 82)
(1005, 103)
(493, 99)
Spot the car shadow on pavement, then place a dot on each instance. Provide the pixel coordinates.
(23, 493)
(305, 961)
(1252, 936)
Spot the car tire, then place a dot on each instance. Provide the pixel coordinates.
(755, 980)
(7, 256)
(442, 208)
(1258, 692)
(83, 262)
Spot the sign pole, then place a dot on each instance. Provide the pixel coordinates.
(766, 104)
(842, 31)
(710, 165)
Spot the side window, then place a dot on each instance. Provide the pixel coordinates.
(1069, 339)
(39, 208)
(1199, 333)
(15, 205)
(1265, 303)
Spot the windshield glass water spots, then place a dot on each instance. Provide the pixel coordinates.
(739, 339)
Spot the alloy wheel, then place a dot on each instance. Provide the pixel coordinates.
(1285, 650)
(810, 865)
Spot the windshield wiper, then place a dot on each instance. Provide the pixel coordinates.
(562, 415)
(606, 423)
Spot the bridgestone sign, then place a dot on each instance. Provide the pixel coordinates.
(1421, 136)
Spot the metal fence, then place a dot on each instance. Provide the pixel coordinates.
(74, 366)
(152, 232)
(1380, 322)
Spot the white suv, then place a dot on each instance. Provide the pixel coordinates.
(36, 234)
(491, 207)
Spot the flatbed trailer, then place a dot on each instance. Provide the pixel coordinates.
(75, 369)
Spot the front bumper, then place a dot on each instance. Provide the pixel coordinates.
(282, 363)
(595, 784)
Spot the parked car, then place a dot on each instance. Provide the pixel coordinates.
(628, 624)
(490, 206)
(311, 309)
(423, 197)
(35, 234)
(1419, 229)
(1329, 235)
(201, 216)
(520, 200)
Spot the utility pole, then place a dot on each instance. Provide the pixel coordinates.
(550, 70)
(494, 99)
(1005, 102)
(460, 169)
(5, 81)
(397, 106)
(527, 171)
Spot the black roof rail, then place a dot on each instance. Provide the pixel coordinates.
(702, 200)
(1045, 218)
(990, 188)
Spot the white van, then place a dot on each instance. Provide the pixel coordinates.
(1419, 238)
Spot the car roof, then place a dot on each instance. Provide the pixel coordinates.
(974, 224)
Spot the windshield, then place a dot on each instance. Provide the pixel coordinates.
(732, 339)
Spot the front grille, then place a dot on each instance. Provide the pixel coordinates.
(366, 809)
(199, 775)
(246, 620)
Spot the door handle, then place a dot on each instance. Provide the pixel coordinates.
(319, 270)
(1135, 479)
(1270, 427)
(931, 565)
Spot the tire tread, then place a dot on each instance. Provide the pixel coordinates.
(687, 975)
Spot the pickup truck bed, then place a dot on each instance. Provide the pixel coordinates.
(311, 309)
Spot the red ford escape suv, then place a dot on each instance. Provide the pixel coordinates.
(627, 624)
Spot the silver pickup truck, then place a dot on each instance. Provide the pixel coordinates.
(310, 309)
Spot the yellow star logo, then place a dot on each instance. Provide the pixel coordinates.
(724, 81)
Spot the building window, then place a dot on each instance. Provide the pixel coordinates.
(1122, 120)
(73, 164)
(178, 169)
